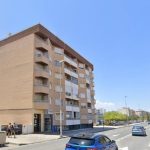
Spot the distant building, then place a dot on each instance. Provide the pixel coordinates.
(127, 111)
(99, 114)
(140, 113)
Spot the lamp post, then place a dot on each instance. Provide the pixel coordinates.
(103, 118)
(61, 135)
(126, 109)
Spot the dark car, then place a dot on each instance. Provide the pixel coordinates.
(91, 142)
(138, 130)
(148, 122)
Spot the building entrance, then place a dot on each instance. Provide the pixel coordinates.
(48, 122)
(37, 122)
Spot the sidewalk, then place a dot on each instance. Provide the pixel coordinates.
(31, 138)
(38, 138)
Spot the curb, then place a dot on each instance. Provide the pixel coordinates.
(21, 144)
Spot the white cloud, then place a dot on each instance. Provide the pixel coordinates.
(109, 106)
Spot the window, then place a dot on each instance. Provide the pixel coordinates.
(82, 85)
(83, 107)
(81, 66)
(58, 51)
(58, 88)
(102, 140)
(69, 114)
(74, 80)
(50, 100)
(89, 105)
(41, 96)
(57, 63)
(76, 115)
(82, 95)
(84, 142)
(58, 76)
(107, 139)
(50, 85)
(88, 94)
(81, 75)
(57, 102)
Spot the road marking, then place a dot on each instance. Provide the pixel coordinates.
(124, 137)
(116, 135)
(124, 148)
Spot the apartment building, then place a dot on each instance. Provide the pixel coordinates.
(39, 75)
(127, 111)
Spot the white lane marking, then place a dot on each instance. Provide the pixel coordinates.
(149, 145)
(116, 135)
(124, 137)
(124, 148)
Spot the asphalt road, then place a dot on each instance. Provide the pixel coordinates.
(122, 136)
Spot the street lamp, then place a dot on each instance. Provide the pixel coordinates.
(61, 61)
(126, 109)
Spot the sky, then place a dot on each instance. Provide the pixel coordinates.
(114, 35)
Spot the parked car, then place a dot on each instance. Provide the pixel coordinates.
(138, 130)
(148, 122)
(90, 142)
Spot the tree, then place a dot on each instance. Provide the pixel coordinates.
(114, 116)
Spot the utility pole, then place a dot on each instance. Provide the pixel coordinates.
(60, 98)
(103, 118)
(127, 110)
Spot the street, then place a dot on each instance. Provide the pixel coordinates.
(122, 136)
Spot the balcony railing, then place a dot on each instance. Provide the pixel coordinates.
(42, 73)
(70, 61)
(41, 44)
(41, 100)
(41, 58)
(70, 96)
(41, 103)
(71, 73)
(41, 88)
(72, 108)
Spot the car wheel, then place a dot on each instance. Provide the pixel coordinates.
(116, 148)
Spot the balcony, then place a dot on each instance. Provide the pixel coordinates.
(42, 73)
(41, 89)
(72, 121)
(72, 108)
(41, 104)
(89, 110)
(41, 44)
(87, 72)
(92, 75)
(87, 81)
(70, 96)
(89, 100)
(71, 73)
(70, 61)
(41, 58)
(93, 92)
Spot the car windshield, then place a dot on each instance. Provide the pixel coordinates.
(80, 141)
(137, 127)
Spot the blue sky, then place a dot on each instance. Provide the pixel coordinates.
(113, 34)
